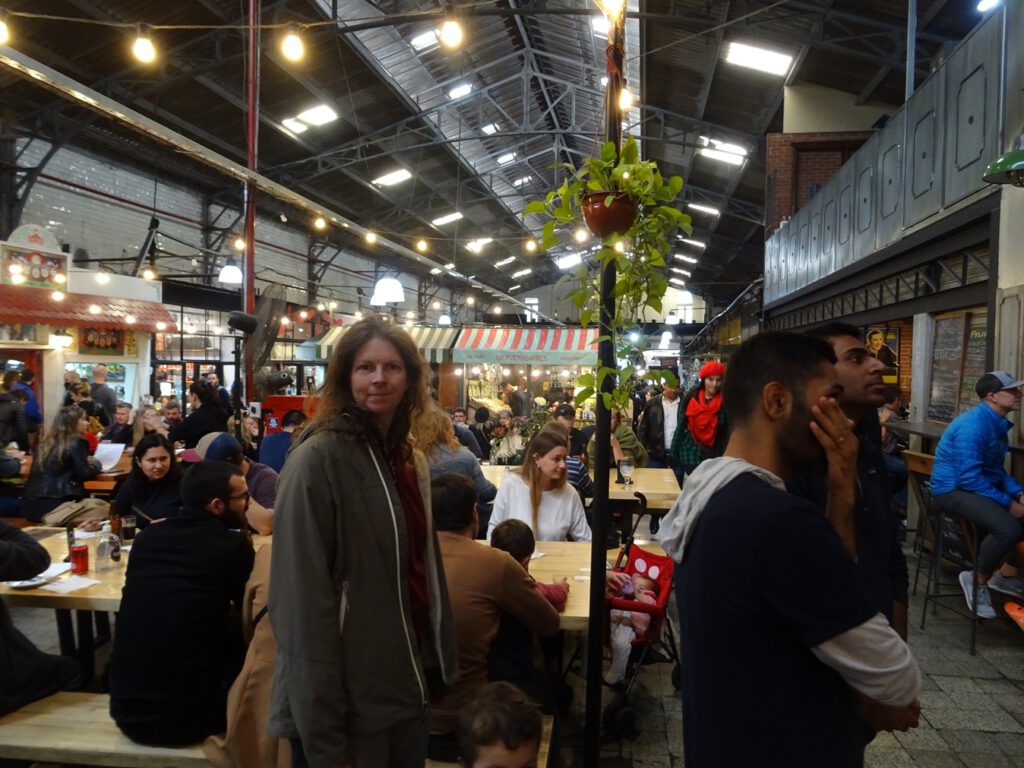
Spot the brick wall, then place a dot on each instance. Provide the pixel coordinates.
(798, 164)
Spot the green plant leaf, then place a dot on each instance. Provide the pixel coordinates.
(630, 152)
(548, 239)
(584, 394)
(535, 206)
(608, 152)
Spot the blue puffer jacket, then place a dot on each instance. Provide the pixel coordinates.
(970, 457)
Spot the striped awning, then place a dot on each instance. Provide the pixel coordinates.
(565, 346)
(435, 344)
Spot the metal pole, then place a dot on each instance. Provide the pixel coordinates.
(252, 137)
(911, 48)
(601, 516)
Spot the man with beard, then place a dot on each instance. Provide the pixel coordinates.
(177, 649)
(876, 529)
(785, 657)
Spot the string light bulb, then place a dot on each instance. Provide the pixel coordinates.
(239, 243)
(625, 99)
(371, 237)
(149, 274)
(57, 295)
(320, 223)
(291, 44)
(612, 8)
(143, 48)
(581, 235)
(17, 278)
(421, 246)
(451, 33)
(470, 301)
(5, 32)
(531, 246)
(60, 278)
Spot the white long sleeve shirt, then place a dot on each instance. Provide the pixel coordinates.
(560, 513)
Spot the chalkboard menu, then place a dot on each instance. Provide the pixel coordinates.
(974, 362)
(947, 356)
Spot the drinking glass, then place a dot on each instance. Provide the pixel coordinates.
(128, 527)
(626, 470)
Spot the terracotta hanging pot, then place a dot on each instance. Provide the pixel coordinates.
(603, 220)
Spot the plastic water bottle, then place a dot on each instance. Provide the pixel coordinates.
(108, 549)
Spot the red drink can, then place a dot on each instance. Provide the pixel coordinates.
(80, 558)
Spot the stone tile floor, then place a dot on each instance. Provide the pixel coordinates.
(973, 706)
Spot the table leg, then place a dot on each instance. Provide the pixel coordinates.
(102, 627)
(66, 632)
(86, 644)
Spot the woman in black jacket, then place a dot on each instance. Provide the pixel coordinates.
(81, 396)
(207, 416)
(61, 466)
(151, 491)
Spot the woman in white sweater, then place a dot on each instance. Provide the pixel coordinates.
(537, 493)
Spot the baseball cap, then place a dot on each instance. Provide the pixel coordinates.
(216, 446)
(996, 381)
(565, 411)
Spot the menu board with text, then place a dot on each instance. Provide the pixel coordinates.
(947, 358)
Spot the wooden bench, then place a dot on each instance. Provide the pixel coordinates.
(542, 754)
(76, 728)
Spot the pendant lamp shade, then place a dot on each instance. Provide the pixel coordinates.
(1008, 169)
(388, 291)
(444, 320)
(230, 273)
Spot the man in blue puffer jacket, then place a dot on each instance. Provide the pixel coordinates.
(968, 479)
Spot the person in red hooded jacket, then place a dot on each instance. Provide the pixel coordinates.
(704, 428)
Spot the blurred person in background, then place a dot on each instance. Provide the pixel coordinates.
(275, 446)
(61, 466)
(207, 416)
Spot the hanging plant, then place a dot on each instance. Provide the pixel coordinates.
(626, 203)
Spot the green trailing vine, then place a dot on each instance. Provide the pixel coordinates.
(639, 253)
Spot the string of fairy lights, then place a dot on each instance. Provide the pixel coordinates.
(449, 34)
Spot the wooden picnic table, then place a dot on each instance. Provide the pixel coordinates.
(658, 485)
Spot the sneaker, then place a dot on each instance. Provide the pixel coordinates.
(984, 609)
(1008, 585)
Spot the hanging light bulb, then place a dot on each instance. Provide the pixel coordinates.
(371, 237)
(581, 235)
(451, 33)
(239, 243)
(57, 295)
(291, 44)
(421, 246)
(625, 99)
(319, 223)
(230, 273)
(149, 274)
(531, 246)
(60, 278)
(130, 319)
(470, 301)
(143, 48)
(5, 32)
(321, 307)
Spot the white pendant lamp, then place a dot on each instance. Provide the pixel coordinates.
(388, 291)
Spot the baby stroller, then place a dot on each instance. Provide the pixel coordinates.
(619, 717)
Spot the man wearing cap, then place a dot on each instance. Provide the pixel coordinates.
(565, 414)
(968, 479)
(260, 479)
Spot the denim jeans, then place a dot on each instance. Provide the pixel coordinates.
(1003, 529)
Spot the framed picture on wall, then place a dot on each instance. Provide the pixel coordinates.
(884, 343)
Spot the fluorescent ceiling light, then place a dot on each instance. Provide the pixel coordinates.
(523, 180)
(679, 271)
(320, 115)
(460, 90)
(567, 262)
(504, 262)
(703, 209)
(436, 271)
(723, 157)
(448, 218)
(450, 266)
(676, 281)
(507, 158)
(475, 246)
(987, 5)
(760, 59)
(600, 25)
(522, 272)
(294, 125)
(687, 259)
(514, 287)
(424, 40)
(695, 243)
(490, 129)
(395, 177)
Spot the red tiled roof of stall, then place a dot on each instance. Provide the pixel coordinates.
(19, 304)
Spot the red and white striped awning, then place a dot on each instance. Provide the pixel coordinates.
(566, 346)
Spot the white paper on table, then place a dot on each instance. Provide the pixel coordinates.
(70, 584)
(55, 570)
(535, 555)
(108, 454)
(83, 535)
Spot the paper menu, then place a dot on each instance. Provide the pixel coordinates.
(108, 454)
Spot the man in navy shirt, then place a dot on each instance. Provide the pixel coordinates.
(275, 446)
(968, 479)
(786, 660)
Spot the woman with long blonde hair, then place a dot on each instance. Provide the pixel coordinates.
(538, 492)
(147, 422)
(435, 436)
(61, 466)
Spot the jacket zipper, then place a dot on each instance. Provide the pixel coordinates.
(398, 574)
(343, 608)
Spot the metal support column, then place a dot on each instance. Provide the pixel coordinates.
(252, 137)
(911, 48)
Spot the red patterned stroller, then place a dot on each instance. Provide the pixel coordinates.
(619, 717)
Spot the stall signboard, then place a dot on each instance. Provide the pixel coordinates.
(32, 267)
(527, 346)
(101, 341)
(947, 357)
